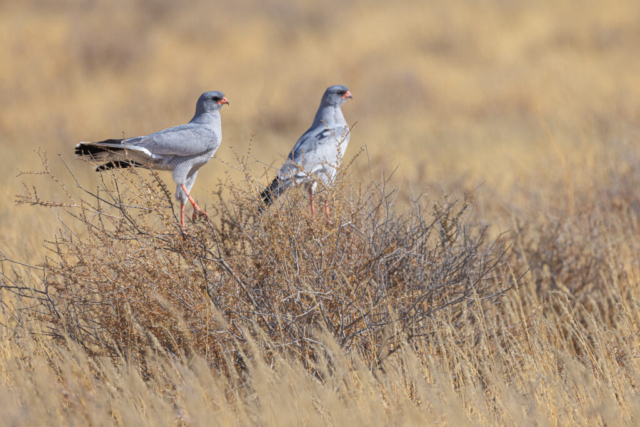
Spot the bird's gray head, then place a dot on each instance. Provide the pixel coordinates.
(336, 95)
(210, 102)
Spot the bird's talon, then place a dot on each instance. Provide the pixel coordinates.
(196, 213)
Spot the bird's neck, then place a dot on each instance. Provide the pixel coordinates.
(329, 115)
(211, 118)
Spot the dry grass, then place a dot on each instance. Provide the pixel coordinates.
(530, 108)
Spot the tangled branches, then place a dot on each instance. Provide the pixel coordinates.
(125, 279)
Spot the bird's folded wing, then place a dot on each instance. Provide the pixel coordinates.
(182, 141)
(316, 143)
(310, 139)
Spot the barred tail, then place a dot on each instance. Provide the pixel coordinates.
(117, 164)
(98, 150)
(105, 151)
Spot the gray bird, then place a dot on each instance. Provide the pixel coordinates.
(316, 155)
(181, 149)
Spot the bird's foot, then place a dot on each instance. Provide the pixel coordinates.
(197, 212)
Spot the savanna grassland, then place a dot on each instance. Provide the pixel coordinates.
(492, 279)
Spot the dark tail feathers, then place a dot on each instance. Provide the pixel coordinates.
(107, 146)
(117, 164)
(270, 194)
(90, 150)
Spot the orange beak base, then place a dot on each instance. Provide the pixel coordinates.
(347, 95)
(225, 101)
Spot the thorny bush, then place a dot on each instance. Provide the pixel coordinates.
(124, 279)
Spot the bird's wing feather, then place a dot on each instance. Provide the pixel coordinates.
(316, 138)
(185, 140)
(317, 145)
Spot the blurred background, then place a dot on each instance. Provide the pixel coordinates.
(533, 105)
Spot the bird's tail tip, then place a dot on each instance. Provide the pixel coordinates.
(269, 195)
(267, 200)
(98, 150)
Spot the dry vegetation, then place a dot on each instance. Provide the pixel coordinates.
(493, 279)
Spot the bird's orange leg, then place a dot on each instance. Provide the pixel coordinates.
(182, 216)
(196, 208)
(326, 207)
(313, 210)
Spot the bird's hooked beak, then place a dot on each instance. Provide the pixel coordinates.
(224, 100)
(347, 95)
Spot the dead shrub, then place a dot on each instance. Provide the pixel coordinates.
(123, 278)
